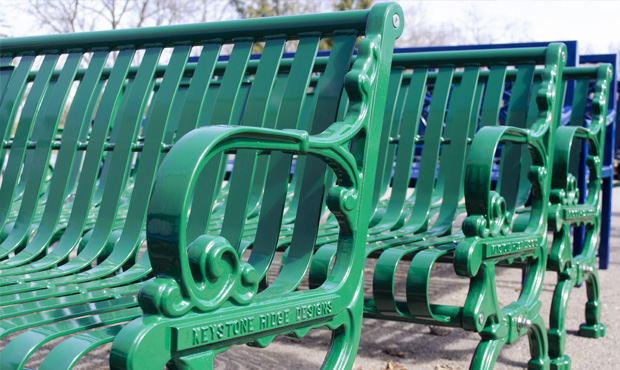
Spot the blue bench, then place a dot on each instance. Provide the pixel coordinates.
(608, 162)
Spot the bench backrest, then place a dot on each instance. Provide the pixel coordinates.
(441, 110)
(121, 94)
(184, 204)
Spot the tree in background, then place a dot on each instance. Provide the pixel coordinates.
(62, 16)
(342, 5)
(475, 28)
(270, 8)
(472, 28)
(2, 25)
(267, 8)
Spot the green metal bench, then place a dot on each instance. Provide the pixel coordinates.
(39, 285)
(393, 215)
(63, 191)
(419, 232)
(78, 282)
(563, 213)
(19, 263)
(565, 210)
(386, 223)
(21, 258)
(536, 334)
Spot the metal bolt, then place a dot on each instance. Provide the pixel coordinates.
(523, 323)
(481, 319)
(587, 269)
(396, 21)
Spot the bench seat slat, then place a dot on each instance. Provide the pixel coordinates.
(17, 154)
(34, 167)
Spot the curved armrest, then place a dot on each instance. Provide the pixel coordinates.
(487, 227)
(600, 99)
(564, 189)
(187, 282)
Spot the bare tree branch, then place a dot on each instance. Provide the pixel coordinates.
(62, 16)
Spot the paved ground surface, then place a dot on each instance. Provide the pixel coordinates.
(393, 345)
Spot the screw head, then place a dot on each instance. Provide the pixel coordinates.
(396, 21)
(523, 323)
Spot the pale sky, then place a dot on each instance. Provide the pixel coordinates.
(595, 24)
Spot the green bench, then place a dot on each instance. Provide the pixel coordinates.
(538, 335)
(21, 258)
(176, 304)
(78, 289)
(425, 204)
(57, 214)
(565, 210)
(423, 230)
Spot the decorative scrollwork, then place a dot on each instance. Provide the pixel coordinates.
(358, 81)
(567, 196)
(595, 165)
(496, 222)
(546, 95)
(599, 99)
(218, 276)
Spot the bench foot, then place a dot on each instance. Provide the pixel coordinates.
(538, 365)
(592, 331)
(560, 363)
(592, 328)
(346, 334)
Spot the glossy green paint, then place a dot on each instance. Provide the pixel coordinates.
(565, 211)
(232, 292)
(487, 236)
(204, 299)
(144, 109)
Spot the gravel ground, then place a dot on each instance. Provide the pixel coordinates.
(393, 345)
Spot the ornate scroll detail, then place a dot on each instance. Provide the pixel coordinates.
(595, 165)
(218, 276)
(599, 100)
(546, 95)
(496, 222)
(567, 196)
(359, 80)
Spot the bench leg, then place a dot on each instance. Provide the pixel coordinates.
(557, 330)
(486, 353)
(592, 327)
(488, 350)
(346, 337)
(504, 328)
(539, 345)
